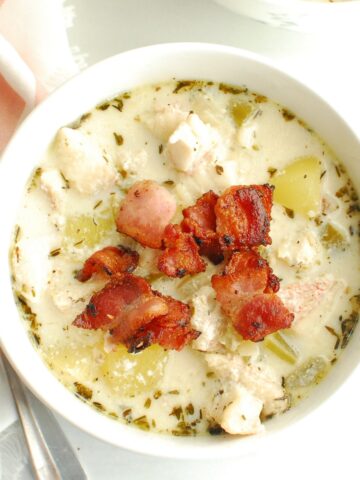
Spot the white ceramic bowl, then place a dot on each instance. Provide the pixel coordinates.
(124, 72)
(305, 15)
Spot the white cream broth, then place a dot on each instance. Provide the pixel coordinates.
(220, 382)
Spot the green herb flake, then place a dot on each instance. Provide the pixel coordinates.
(335, 334)
(184, 85)
(119, 139)
(189, 409)
(17, 233)
(347, 328)
(260, 99)
(103, 106)
(142, 422)
(99, 406)
(272, 171)
(34, 182)
(173, 392)
(36, 338)
(67, 183)
(147, 403)
(332, 237)
(177, 412)
(215, 429)
(97, 204)
(223, 87)
(83, 391)
(161, 148)
(157, 394)
(127, 412)
(289, 212)
(85, 117)
(55, 252)
(355, 302)
(119, 104)
(288, 116)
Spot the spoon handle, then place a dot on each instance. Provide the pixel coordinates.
(51, 455)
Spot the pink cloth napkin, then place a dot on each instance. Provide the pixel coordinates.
(34, 57)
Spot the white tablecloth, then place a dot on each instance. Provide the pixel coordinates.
(325, 445)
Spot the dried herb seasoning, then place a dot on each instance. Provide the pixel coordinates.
(83, 391)
(223, 87)
(288, 116)
(119, 139)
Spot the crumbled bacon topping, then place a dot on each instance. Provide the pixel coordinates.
(261, 315)
(233, 224)
(200, 221)
(181, 254)
(172, 330)
(243, 215)
(108, 261)
(127, 301)
(246, 292)
(137, 316)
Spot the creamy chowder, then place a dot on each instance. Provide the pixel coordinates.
(189, 137)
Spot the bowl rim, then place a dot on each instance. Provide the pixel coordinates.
(131, 439)
(316, 5)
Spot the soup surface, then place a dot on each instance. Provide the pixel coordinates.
(189, 137)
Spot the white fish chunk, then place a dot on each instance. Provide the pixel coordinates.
(82, 163)
(190, 143)
(257, 378)
(301, 249)
(54, 186)
(237, 411)
(207, 319)
(164, 121)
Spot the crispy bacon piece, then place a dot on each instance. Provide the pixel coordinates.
(108, 261)
(181, 254)
(200, 221)
(137, 316)
(172, 330)
(145, 211)
(243, 215)
(126, 303)
(246, 291)
(261, 315)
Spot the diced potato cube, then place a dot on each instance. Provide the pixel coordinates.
(74, 362)
(298, 186)
(132, 374)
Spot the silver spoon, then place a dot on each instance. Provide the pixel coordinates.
(51, 455)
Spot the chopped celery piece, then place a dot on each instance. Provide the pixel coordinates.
(298, 186)
(241, 111)
(132, 374)
(332, 237)
(88, 230)
(280, 347)
(309, 373)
